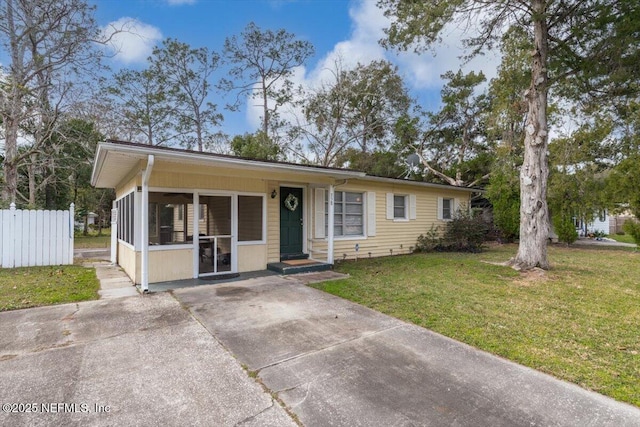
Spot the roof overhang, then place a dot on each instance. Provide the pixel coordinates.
(114, 162)
(397, 181)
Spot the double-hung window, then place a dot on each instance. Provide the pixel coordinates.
(400, 207)
(446, 208)
(348, 218)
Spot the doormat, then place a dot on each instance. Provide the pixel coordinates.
(299, 262)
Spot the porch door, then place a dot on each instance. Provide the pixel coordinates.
(214, 235)
(290, 221)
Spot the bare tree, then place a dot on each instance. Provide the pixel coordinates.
(48, 44)
(262, 63)
(187, 73)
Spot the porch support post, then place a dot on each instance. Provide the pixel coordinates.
(196, 235)
(114, 234)
(144, 225)
(330, 221)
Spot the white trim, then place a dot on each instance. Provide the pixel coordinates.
(390, 214)
(174, 247)
(330, 225)
(413, 207)
(144, 225)
(195, 232)
(262, 241)
(234, 233)
(318, 208)
(126, 245)
(370, 216)
(208, 160)
(347, 238)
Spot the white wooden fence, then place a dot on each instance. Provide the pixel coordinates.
(35, 237)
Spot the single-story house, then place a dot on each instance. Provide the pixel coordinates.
(184, 214)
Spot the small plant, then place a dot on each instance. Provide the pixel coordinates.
(430, 241)
(566, 231)
(632, 228)
(599, 234)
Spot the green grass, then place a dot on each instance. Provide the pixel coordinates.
(580, 321)
(622, 238)
(38, 286)
(92, 241)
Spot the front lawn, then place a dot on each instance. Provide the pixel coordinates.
(92, 240)
(37, 286)
(580, 321)
(622, 238)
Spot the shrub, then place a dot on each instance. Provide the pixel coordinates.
(566, 231)
(632, 228)
(464, 233)
(429, 242)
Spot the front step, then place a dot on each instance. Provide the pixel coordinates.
(286, 257)
(310, 267)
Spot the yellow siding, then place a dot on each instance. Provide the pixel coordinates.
(127, 261)
(174, 264)
(273, 223)
(252, 257)
(175, 175)
(129, 186)
(392, 237)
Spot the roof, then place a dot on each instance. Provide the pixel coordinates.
(115, 161)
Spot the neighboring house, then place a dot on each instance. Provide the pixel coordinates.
(599, 224)
(91, 220)
(254, 214)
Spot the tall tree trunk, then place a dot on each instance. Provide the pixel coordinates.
(534, 213)
(10, 165)
(265, 120)
(31, 169)
(11, 120)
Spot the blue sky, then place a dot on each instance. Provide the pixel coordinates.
(345, 29)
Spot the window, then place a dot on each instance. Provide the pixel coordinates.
(168, 219)
(126, 218)
(348, 218)
(250, 218)
(399, 207)
(447, 208)
(603, 216)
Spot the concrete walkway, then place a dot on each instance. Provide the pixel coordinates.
(334, 362)
(604, 243)
(114, 282)
(123, 362)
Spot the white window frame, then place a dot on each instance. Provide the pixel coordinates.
(452, 208)
(263, 240)
(405, 217)
(363, 194)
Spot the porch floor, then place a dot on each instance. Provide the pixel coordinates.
(188, 283)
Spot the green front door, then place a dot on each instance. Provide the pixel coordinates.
(290, 221)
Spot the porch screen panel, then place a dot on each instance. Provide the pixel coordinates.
(168, 224)
(126, 218)
(250, 215)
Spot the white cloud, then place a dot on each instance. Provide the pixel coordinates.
(420, 71)
(180, 2)
(131, 40)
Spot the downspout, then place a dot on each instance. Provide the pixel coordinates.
(144, 241)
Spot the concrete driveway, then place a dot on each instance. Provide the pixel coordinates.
(125, 361)
(337, 363)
